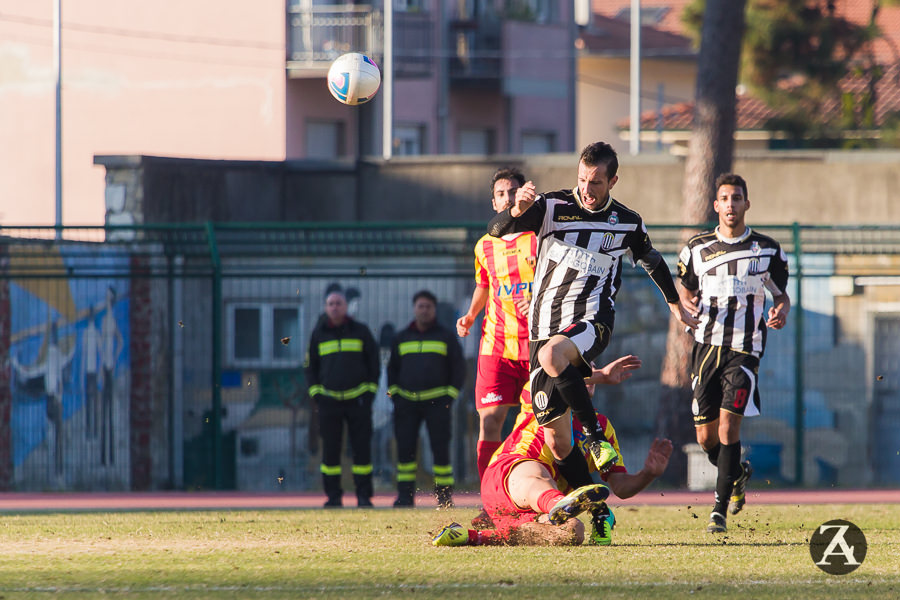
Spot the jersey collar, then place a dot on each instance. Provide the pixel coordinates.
(736, 240)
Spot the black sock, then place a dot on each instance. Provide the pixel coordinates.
(575, 469)
(729, 469)
(713, 454)
(571, 387)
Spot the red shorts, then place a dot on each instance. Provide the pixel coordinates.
(499, 381)
(495, 495)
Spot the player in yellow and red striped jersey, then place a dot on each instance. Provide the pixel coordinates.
(522, 486)
(504, 271)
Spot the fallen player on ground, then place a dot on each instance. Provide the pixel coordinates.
(528, 500)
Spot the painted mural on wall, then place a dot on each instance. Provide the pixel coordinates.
(70, 372)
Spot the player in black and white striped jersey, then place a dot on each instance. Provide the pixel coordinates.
(724, 275)
(583, 237)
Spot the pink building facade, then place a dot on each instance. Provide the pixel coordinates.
(231, 80)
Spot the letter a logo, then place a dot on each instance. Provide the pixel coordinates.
(838, 547)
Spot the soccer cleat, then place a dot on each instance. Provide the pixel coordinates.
(604, 455)
(584, 498)
(716, 523)
(602, 523)
(453, 534)
(738, 498)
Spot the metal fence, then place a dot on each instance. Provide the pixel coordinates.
(169, 357)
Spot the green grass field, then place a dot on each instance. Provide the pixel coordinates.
(657, 552)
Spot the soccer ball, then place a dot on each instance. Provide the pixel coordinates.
(353, 78)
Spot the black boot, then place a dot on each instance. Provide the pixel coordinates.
(405, 494)
(444, 495)
(363, 485)
(333, 491)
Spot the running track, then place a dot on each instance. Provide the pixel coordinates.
(132, 501)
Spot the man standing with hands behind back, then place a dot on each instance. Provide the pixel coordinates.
(342, 370)
(425, 373)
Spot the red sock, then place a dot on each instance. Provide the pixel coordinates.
(485, 450)
(488, 537)
(548, 499)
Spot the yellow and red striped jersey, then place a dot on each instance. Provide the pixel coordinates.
(505, 266)
(527, 441)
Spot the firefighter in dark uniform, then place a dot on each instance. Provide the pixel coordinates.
(342, 370)
(425, 373)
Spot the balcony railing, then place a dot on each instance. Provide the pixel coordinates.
(475, 53)
(414, 47)
(319, 34)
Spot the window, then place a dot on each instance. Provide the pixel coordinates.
(409, 140)
(263, 335)
(476, 141)
(538, 142)
(324, 139)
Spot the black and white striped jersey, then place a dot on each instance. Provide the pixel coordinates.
(579, 259)
(732, 276)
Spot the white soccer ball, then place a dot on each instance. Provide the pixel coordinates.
(353, 78)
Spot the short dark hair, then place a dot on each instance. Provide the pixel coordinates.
(424, 294)
(731, 179)
(507, 173)
(601, 153)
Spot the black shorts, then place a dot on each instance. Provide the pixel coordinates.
(723, 379)
(591, 338)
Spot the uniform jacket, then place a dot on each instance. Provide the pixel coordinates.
(342, 362)
(426, 365)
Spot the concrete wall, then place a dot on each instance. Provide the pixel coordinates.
(834, 188)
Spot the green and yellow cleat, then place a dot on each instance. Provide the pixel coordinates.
(604, 455)
(587, 497)
(453, 534)
(738, 496)
(602, 523)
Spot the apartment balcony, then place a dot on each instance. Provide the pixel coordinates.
(414, 44)
(319, 34)
(475, 54)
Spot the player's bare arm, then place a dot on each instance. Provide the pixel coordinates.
(779, 311)
(479, 300)
(626, 485)
(683, 314)
(690, 299)
(525, 196)
(615, 372)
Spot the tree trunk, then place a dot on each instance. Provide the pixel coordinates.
(709, 154)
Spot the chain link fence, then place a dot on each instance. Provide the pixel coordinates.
(170, 357)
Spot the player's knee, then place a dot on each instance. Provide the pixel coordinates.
(560, 446)
(707, 438)
(492, 424)
(553, 360)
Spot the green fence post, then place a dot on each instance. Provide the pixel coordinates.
(798, 359)
(216, 358)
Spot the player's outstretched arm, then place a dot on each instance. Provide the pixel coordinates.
(615, 372)
(626, 485)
